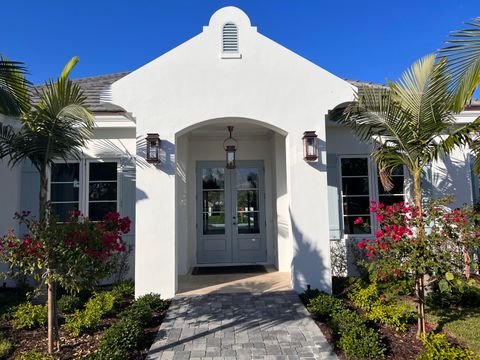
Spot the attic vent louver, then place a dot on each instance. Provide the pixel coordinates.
(230, 38)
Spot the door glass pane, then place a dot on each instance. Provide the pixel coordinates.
(397, 186)
(247, 200)
(65, 172)
(64, 189)
(103, 171)
(213, 178)
(62, 210)
(97, 210)
(213, 223)
(355, 186)
(351, 228)
(102, 189)
(354, 166)
(358, 205)
(247, 178)
(247, 222)
(63, 192)
(213, 201)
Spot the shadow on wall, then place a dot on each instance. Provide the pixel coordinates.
(308, 265)
(167, 156)
(445, 181)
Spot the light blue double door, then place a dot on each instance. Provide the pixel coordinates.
(230, 213)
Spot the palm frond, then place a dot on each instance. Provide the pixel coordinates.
(463, 54)
(13, 87)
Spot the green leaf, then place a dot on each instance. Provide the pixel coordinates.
(443, 285)
(449, 276)
(471, 282)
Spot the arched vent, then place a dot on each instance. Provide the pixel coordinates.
(230, 38)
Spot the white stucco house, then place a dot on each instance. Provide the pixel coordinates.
(189, 209)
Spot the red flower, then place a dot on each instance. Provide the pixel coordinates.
(357, 221)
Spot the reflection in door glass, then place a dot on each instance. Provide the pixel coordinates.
(213, 223)
(247, 178)
(213, 178)
(248, 222)
(213, 194)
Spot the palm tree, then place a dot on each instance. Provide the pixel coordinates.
(13, 87)
(54, 128)
(463, 54)
(411, 123)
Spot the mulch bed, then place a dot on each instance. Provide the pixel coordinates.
(75, 347)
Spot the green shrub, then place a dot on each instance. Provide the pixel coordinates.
(138, 311)
(464, 295)
(6, 347)
(309, 294)
(364, 297)
(121, 338)
(33, 355)
(67, 304)
(356, 339)
(87, 320)
(378, 309)
(123, 289)
(154, 301)
(324, 305)
(438, 348)
(394, 315)
(361, 342)
(28, 316)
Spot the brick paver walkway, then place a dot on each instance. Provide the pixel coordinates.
(271, 325)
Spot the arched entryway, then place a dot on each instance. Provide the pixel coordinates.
(227, 217)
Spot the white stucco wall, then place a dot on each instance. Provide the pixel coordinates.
(191, 84)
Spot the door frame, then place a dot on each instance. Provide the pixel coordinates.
(228, 193)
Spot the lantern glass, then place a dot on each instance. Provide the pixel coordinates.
(230, 152)
(310, 146)
(153, 148)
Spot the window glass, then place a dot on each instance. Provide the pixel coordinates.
(64, 189)
(355, 194)
(102, 189)
(396, 194)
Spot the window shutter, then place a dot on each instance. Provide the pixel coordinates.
(333, 196)
(230, 38)
(30, 190)
(127, 205)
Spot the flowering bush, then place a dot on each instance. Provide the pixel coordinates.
(73, 253)
(430, 245)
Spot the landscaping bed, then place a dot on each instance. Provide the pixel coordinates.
(82, 340)
(389, 325)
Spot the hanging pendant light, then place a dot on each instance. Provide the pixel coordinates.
(230, 145)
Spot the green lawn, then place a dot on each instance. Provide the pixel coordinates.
(462, 324)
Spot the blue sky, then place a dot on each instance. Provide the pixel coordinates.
(364, 40)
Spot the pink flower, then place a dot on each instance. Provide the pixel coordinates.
(358, 220)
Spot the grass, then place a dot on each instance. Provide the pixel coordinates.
(461, 323)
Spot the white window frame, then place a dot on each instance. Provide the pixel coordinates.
(373, 189)
(84, 180)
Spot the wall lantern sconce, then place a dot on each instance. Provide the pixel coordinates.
(310, 146)
(153, 148)
(230, 145)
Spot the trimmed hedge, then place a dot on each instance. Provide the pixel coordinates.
(354, 335)
(438, 348)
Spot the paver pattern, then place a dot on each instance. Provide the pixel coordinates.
(273, 325)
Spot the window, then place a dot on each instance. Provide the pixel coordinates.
(213, 192)
(88, 186)
(65, 189)
(359, 188)
(230, 38)
(396, 194)
(102, 189)
(356, 194)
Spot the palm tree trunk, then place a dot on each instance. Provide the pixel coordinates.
(52, 330)
(420, 277)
